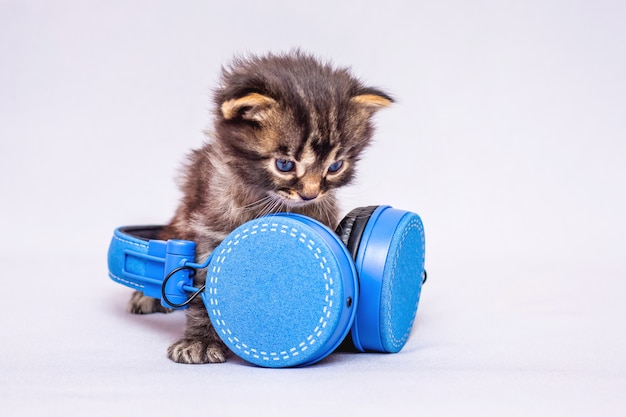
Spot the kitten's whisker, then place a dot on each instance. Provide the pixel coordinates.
(269, 208)
(272, 205)
(329, 212)
(264, 208)
(256, 205)
(282, 207)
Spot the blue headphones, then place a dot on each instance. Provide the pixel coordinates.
(285, 290)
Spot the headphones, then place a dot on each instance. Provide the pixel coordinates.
(284, 290)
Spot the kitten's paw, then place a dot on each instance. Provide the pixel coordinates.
(196, 351)
(141, 304)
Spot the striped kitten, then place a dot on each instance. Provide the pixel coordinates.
(288, 131)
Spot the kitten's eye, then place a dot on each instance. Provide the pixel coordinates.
(285, 165)
(335, 166)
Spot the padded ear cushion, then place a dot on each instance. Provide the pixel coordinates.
(351, 227)
(350, 231)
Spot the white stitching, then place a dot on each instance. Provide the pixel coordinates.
(293, 351)
(139, 245)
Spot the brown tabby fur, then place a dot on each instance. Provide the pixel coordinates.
(289, 107)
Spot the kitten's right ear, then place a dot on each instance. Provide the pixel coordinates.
(252, 107)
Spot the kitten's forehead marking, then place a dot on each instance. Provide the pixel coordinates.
(308, 156)
(309, 159)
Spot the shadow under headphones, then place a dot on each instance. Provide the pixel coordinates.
(284, 290)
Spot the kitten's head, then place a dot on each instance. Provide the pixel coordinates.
(293, 127)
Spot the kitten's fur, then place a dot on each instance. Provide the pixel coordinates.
(271, 112)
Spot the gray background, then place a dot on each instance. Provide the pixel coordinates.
(508, 139)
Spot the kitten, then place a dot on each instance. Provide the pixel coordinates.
(288, 131)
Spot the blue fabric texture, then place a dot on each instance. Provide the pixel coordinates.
(402, 282)
(275, 292)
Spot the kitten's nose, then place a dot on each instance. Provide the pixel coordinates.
(308, 196)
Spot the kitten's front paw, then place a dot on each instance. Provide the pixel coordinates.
(141, 304)
(196, 351)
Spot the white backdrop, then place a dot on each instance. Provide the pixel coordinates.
(508, 138)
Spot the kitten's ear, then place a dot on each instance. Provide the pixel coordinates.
(251, 107)
(372, 100)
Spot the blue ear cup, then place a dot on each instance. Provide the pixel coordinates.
(387, 245)
(281, 291)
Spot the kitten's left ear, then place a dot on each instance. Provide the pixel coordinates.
(371, 99)
(252, 107)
